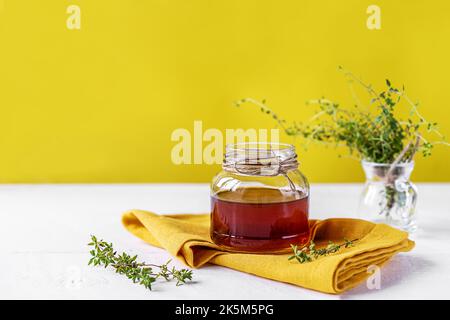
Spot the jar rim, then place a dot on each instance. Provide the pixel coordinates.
(260, 158)
(250, 146)
(381, 164)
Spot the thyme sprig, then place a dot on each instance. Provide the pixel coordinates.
(103, 254)
(311, 252)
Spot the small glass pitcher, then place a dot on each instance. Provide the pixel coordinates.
(388, 195)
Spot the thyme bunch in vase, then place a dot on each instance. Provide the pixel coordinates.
(373, 133)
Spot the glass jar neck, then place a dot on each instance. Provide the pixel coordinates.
(385, 171)
(260, 158)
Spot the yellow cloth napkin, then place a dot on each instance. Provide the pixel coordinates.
(186, 236)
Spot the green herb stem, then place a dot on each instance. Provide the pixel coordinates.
(310, 252)
(103, 254)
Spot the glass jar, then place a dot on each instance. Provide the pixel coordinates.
(388, 195)
(260, 200)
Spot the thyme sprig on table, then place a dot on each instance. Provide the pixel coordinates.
(103, 254)
(311, 252)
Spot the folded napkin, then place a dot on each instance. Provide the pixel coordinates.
(186, 236)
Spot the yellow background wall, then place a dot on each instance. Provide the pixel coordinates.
(99, 104)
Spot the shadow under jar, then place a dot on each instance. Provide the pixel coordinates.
(260, 200)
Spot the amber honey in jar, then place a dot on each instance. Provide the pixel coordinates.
(260, 200)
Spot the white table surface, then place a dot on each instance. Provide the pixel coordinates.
(44, 230)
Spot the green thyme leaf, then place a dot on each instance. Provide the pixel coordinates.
(310, 252)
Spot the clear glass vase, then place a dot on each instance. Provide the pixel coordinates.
(388, 195)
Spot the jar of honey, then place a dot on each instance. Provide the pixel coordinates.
(260, 200)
